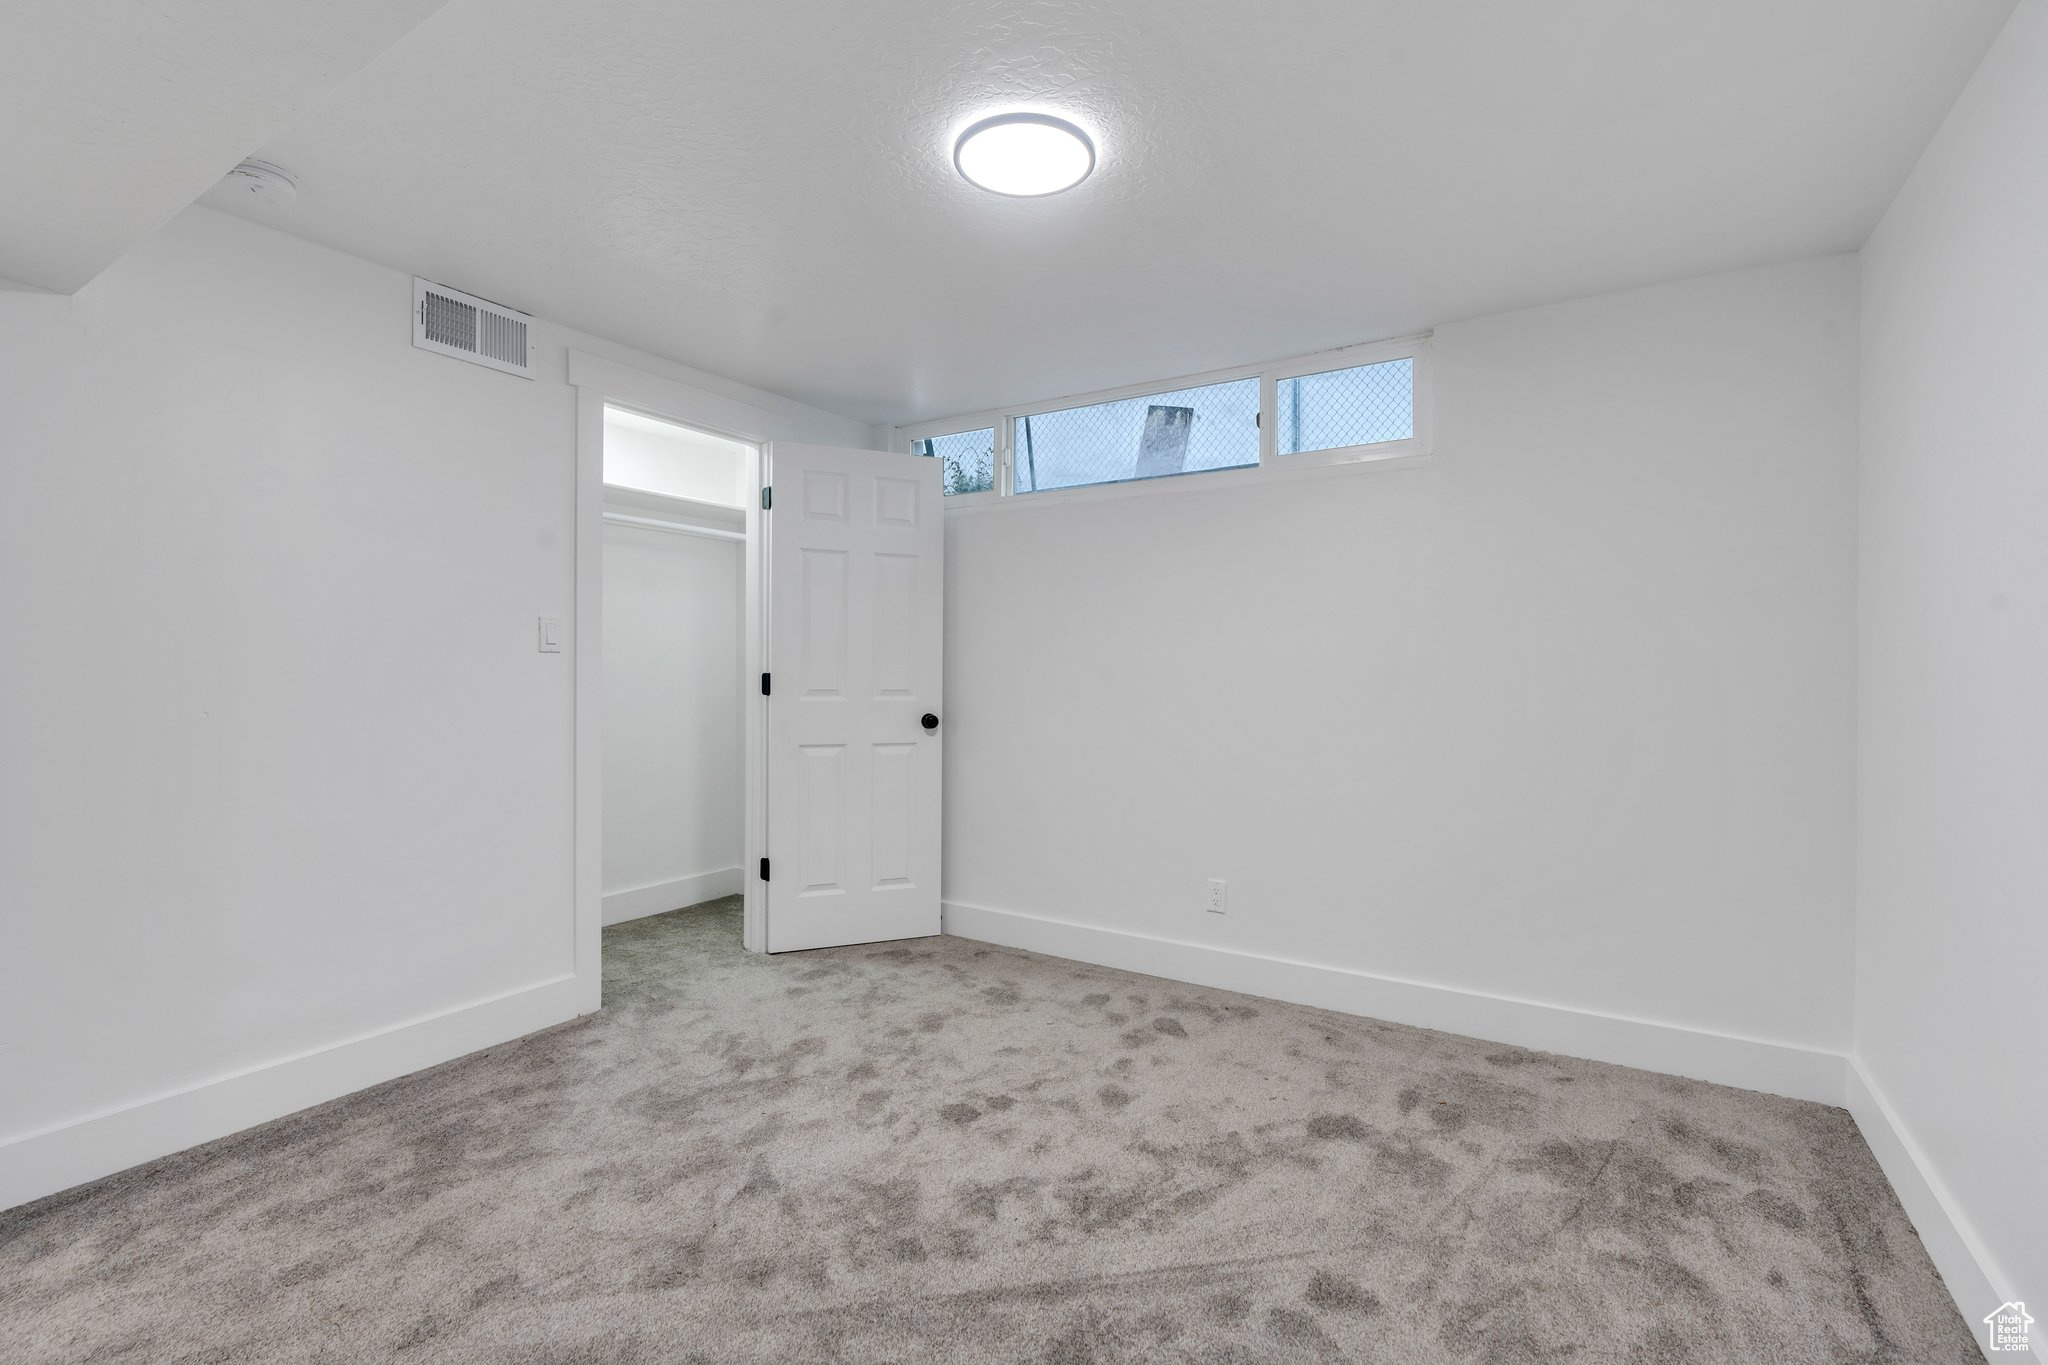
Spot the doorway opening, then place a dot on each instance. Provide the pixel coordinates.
(674, 785)
(851, 749)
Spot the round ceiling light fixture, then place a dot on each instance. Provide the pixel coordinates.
(1024, 155)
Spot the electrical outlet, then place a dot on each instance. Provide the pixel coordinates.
(1216, 889)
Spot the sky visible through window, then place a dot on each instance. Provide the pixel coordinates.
(1105, 442)
(1359, 406)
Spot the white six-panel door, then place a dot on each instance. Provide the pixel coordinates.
(855, 540)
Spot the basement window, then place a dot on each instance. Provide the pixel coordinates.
(1364, 405)
(969, 456)
(1181, 431)
(1358, 405)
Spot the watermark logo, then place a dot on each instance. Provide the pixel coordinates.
(2005, 1327)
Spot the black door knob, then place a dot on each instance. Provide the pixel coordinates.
(930, 721)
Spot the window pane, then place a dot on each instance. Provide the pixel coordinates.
(1360, 406)
(1213, 427)
(970, 458)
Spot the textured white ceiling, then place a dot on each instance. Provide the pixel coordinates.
(765, 190)
(115, 114)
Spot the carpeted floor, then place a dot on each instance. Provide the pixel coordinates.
(943, 1151)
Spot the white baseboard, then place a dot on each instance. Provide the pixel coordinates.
(1726, 1059)
(662, 897)
(55, 1159)
(1972, 1276)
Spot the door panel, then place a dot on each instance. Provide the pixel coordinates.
(855, 583)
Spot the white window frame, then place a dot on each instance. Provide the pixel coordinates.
(907, 438)
(1272, 467)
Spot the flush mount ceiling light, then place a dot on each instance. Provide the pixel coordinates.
(1024, 155)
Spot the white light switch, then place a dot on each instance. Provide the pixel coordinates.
(551, 635)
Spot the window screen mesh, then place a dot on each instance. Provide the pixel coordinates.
(1361, 406)
(1182, 431)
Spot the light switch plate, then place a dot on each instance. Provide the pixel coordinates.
(551, 635)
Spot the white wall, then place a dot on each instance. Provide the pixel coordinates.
(1563, 715)
(674, 784)
(281, 769)
(1951, 932)
(661, 457)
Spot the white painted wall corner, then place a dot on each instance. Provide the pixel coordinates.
(1974, 1279)
(1724, 1059)
(641, 901)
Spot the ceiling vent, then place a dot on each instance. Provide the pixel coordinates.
(469, 328)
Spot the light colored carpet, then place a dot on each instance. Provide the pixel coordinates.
(943, 1151)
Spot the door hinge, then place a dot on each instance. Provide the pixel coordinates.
(764, 684)
(767, 496)
(764, 869)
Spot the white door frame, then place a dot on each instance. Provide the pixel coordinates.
(599, 381)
